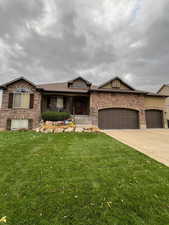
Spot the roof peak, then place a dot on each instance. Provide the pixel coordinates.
(79, 77)
(117, 78)
(17, 79)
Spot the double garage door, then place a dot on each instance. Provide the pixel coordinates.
(128, 119)
(118, 119)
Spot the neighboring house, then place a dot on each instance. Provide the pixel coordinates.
(164, 90)
(112, 105)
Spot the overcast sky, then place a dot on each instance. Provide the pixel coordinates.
(57, 40)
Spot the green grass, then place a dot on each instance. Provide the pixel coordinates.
(79, 179)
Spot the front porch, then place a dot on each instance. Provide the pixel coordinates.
(73, 104)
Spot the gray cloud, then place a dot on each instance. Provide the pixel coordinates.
(54, 40)
(14, 14)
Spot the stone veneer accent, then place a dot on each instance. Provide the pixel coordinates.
(100, 100)
(7, 113)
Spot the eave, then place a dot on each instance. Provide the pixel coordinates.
(118, 91)
(66, 91)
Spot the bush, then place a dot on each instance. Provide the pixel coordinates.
(55, 116)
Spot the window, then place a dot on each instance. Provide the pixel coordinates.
(59, 102)
(21, 100)
(55, 102)
(19, 124)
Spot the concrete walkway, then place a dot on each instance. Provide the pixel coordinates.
(152, 142)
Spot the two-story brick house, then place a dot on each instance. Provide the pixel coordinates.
(112, 105)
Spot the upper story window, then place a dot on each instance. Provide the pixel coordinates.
(21, 98)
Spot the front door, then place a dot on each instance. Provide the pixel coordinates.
(81, 106)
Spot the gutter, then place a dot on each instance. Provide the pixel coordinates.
(119, 91)
(157, 95)
(61, 91)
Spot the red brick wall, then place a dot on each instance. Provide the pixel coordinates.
(100, 100)
(6, 113)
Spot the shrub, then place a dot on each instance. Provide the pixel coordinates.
(55, 116)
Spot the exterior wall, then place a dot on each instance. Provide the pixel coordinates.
(165, 91)
(167, 108)
(152, 102)
(129, 101)
(7, 113)
(117, 100)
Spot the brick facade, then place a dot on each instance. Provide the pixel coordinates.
(7, 113)
(99, 100)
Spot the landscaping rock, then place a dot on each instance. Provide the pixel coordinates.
(58, 127)
(42, 129)
(58, 130)
(37, 129)
(48, 131)
(69, 129)
(79, 129)
(49, 123)
(87, 130)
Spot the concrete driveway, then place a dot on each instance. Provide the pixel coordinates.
(152, 142)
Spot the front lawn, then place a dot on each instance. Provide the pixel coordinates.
(79, 179)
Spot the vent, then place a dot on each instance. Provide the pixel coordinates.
(116, 84)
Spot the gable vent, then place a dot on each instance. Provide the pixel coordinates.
(115, 84)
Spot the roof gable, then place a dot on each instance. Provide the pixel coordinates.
(164, 90)
(79, 82)
(16, 80)
(116, 83)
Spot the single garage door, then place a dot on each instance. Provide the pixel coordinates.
(118, 119)
(154, 119)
